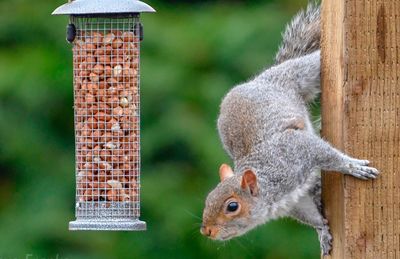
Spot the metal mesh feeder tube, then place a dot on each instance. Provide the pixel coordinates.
(106, 38)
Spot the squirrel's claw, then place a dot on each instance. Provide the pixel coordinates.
(325, 240)
(360, 169)
(364, 172)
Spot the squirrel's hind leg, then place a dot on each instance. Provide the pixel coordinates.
(307, 212)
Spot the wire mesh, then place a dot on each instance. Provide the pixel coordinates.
(107, 117)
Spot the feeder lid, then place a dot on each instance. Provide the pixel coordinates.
(84, 7)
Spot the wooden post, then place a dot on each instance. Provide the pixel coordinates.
(361, 116)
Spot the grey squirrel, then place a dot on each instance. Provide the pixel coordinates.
(265, 127)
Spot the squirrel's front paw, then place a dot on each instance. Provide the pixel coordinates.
(359, 169)
(325, 240)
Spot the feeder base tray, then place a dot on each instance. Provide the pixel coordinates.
(111, 225)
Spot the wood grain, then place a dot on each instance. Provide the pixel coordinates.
(361, 116)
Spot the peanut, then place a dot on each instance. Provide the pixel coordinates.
(98, 69)
(117, 71)
(109, 38)
(94, 77)
(97, 38)
(128, 36)
(118, 111)
(117, 43)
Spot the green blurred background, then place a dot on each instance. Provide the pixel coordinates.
(193, 53)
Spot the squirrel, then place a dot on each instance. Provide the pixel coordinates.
(265, 127)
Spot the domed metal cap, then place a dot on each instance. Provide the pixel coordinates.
(85, 7)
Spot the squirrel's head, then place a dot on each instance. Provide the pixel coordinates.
(230, 207)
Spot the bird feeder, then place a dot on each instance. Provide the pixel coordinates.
(106, 36)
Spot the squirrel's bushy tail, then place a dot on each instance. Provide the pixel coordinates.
(302, 35)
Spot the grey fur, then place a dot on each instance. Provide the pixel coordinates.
(264, 125)
(302, 35)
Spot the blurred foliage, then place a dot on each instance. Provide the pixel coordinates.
(193, 53)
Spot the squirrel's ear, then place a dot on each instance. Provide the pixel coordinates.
(225, 171)
(249, 180)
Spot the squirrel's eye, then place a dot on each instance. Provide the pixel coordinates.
(232, 206)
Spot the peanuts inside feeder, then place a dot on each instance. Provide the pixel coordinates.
(106, 36)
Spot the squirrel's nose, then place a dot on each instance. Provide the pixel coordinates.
(205, 230)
